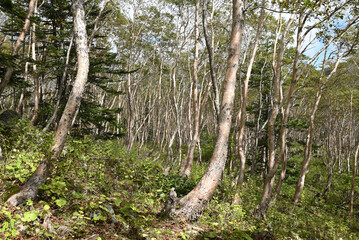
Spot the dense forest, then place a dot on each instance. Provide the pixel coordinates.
(179, 119)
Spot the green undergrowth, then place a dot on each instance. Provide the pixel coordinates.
(98, 189)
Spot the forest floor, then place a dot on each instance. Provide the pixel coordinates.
(98, 190)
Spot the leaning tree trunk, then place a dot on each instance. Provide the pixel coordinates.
(10, 69)
(192, 205)
(29, 190)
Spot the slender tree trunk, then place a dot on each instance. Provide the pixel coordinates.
(26, 72)
(64, 74)
(308, 145)
(37, 81)
(166, 167)
(10, 69)
(210, 50)
(186, 171)
(355, 165)
(285, 153)
(192, 205)
(129, 90)
(277, 68)
(243, 111)
(96, 27)
(269, 183)
(29, 190)
(61, 88)
(282, 172)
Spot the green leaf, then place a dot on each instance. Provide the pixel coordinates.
(47, 207)
(8, 167)
(76, 195)
(29, 202)
(118, 202)
(93, 205)
(60, 202)
(29, 216)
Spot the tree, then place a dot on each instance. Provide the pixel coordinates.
(10, 69)
(323, 80)
(304, 10)
(29, 190)
(210, 50)
(244, 99)
(186, 165)
(192, 205)
(277, 69)
(308, 145)
(352, 192)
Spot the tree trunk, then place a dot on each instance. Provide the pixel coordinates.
(186, 171)
(10, 69)
(277, 68)
(20, 104)
(129, 90)
(192, 205)
(37, 81)
(308, 145)
(166, 166)
(29, 190)
(61, 88)
(353, 182)
(282, 173)
(210, 50)
(243, 111)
